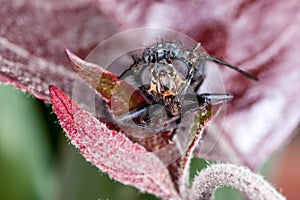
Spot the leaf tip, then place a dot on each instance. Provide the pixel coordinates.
(75, 61)
(52, 88)
(56, 96)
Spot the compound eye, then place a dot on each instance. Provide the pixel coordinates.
(181, 68)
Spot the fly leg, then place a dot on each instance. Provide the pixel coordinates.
(197, 82)
(148, 118)
(130, 116)
(216, 99)
(222, 62)
(196, 102)
(177, 121)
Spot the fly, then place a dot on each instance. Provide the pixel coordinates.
(169, 76)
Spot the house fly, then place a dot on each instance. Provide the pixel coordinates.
(169, 76)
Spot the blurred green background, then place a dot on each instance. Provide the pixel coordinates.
(38, 163)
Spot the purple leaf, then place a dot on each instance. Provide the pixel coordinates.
(257, 36)
(111, 151)
(32, 39)
(264, 114)
(111, 88)
(130, 163)
(247, 33)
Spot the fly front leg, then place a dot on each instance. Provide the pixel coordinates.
(177, 125)
(216, 99)
(196, 102)
(130, 116)
(152, 117)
